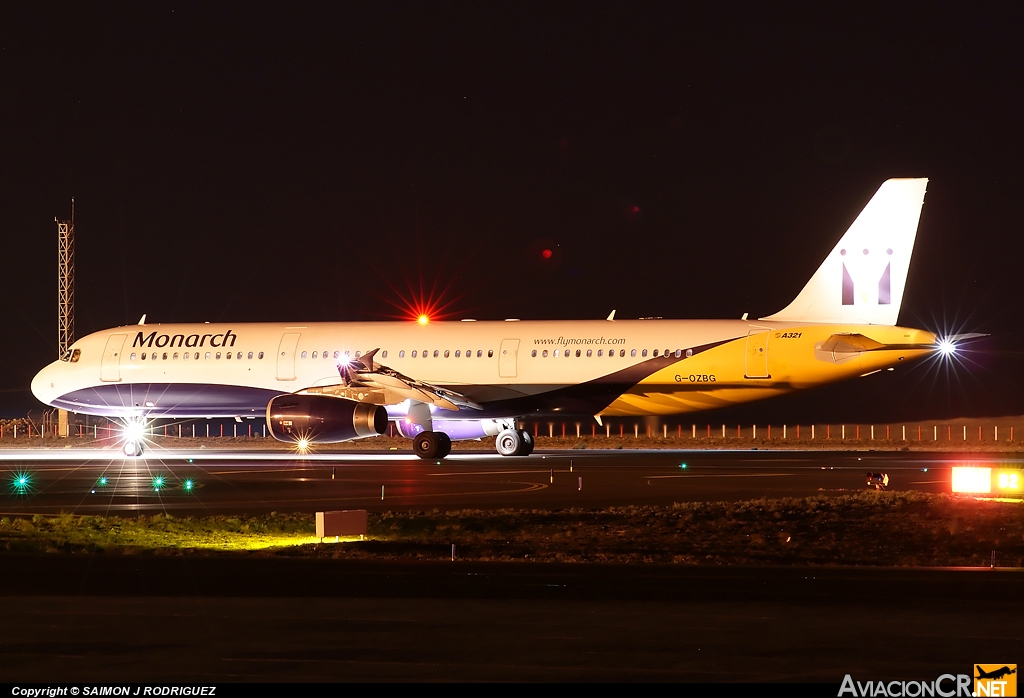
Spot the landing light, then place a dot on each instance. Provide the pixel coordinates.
(946, 347)
(423, 319)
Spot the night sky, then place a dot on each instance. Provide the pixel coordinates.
(341, 161)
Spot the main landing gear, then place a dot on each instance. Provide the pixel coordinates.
(436, 444)
(514, 442)
(432, 444)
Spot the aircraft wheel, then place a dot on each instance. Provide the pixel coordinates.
(526, 448)
(509, 442)
(444, 444)
(427, 444)
(132, 449)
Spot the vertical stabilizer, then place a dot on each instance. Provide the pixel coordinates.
(861, 281)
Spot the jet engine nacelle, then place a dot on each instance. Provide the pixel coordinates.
(316, 418)
(456, 429)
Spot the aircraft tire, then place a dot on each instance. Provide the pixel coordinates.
(427, 445)
(527, 443)
(444, 444)
(508, 443)
(132, 449)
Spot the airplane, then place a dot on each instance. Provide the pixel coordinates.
(995, 673)
(446, 381)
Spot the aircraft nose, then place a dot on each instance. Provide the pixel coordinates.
(44, 385)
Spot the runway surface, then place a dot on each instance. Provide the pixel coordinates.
(225, 482)
(209, 620)
(233, 618)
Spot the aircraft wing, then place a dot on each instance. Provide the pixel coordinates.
(365, 380)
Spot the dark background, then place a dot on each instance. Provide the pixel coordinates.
(336, 161)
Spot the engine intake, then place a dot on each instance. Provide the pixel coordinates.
(316, 418)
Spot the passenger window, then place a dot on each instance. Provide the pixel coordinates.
(239, 356)
(544, 353)
(600, 353)
(655, 353)
(384, 354)
(490, 353)
(577, 353)
(622, 353)
(358, 354)
(165, 356)
(218, 356)
(556, 353)
(632, 352)
(133, 356)
(479, 353)
(314, 354)
(414, 353)
(666, 352)
(458, 353)
(337, 355)
(250, 355)
(533, 354)
(568, 353)
(143, 356)
(435, 353)
(679, 352)
(185, 356)
(589, 353)
(643, 353)
(207, 356)
(228, 355)
(446, 353)
(259, 356)
(303, 355)
(424, 354)
(401, 354)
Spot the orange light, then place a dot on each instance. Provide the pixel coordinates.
(423, 319)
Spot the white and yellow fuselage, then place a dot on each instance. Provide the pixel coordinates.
(608, 368)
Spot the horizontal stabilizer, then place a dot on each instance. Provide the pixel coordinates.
(850, 343)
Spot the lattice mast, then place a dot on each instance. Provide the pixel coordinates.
(66, 283)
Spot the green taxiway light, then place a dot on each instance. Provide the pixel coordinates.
(187, 485)
(682, 466)
(158, 482)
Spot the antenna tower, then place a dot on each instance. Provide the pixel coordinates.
(66, 283)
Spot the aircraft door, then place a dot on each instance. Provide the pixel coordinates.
(756, 355)
(286, 356)
(507, 357)
(110, 366)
